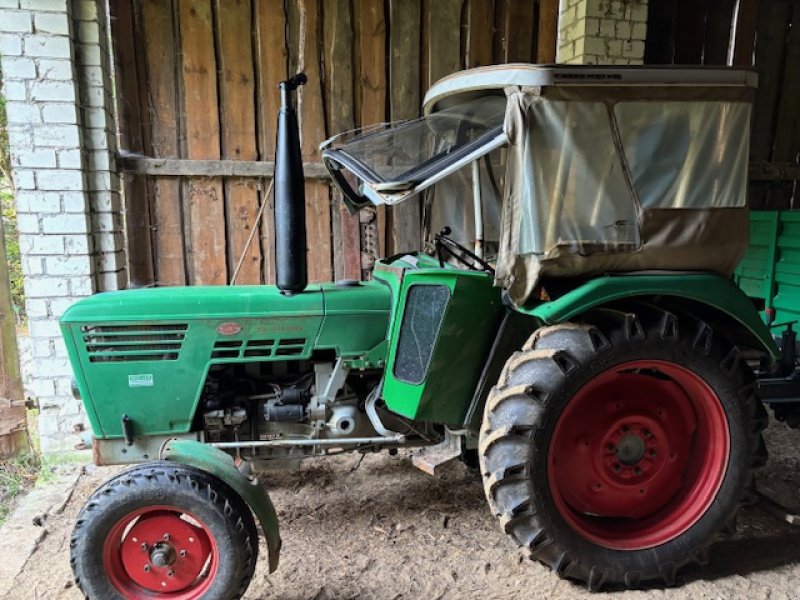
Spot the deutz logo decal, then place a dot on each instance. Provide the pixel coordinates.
(140, 380)
(229, 328)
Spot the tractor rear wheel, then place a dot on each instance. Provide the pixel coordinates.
(618, 450)
(164, 530)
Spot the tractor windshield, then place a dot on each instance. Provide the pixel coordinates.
(388, 163)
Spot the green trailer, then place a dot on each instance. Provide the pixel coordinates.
(571, 323)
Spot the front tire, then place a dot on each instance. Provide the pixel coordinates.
(164, 530)
(619, 449)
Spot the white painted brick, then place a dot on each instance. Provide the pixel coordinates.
(42, 387)
(105, 223)
(96, 118)
(47, 46)
(58, 307)
(78, 244)
(9, 3)
(99, 181)
(109, 261)
(41, 244)
(633, 50)
(45, 5)
(18, 67)
(59, 112)
(73, 202)
(639, 12)
(58, 91)
(106, 201)
(90, 54)
(20, 136)
(45, 287)
(57, 23)
(49, 424)
(38, 202)
(10, 44)
(624, 30)
(99, 161)
(108, 282)
(24, 180)
(639, 31)
(81, 286)
(614, 49)
(43, 348)
(109, 243)
(60, 179)
(22, 112)
(16, 21)
(32, 266)
(58, 69)
(64, 136)
(608, 27)
(85, 10)
(88, 32)
(67, 224)
(35, 158)
(96, 139)
(70, 159)
(68, 265)
(92, 75)
(14, 90)
(59, 346)
(37, 310)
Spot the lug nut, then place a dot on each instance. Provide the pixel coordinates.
(617, 467)
(638, 471)
(144, 545)
(183, 552)
(147, 568)
(166, 536)
(170, 573)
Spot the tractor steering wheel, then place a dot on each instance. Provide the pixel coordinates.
(443, 243)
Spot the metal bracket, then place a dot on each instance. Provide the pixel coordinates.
(432, 457)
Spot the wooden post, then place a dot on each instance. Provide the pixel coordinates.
(13, 429)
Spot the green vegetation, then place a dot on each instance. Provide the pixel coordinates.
(17, 475)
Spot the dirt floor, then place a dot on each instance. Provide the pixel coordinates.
(378, 528)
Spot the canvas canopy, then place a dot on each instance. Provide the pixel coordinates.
(601, 170)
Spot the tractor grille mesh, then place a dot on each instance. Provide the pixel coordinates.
(258, 348)
(133, 343)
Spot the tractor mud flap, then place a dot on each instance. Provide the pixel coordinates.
(221, 465)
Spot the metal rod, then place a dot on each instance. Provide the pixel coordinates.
(397, 439)
(477, 206)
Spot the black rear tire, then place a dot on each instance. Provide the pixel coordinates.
(211, 552)
(556, 517)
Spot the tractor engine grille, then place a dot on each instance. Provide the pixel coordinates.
(133, 343)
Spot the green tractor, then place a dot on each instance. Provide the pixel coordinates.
(571, 326)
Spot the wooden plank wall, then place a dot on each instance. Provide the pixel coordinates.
(197, 79)
(764, 34)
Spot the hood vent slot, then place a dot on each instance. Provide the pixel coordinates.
(258, 348)
(133, 343)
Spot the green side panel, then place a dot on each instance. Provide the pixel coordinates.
(770, 270)
(356, 318)
(221, 465)
(713, 290)
(145, 353)
(453, 344)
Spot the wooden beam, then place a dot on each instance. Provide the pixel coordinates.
(339, 91)
(403, 220)
(479, 32)
(13, 439)
(182, 167)
(201, 108)
(547, 39)
(745, 35)
(238, 132)
(162, 65)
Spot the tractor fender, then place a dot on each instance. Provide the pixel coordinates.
(221, 465)
(718, 295)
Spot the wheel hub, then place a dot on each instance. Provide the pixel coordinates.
(630, 449)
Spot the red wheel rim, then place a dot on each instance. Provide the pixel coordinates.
(638, 455)
(160, 551)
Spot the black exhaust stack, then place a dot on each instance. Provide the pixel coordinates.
(290, 196)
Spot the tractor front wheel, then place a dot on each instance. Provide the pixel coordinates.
(617, 450)
(164, 530)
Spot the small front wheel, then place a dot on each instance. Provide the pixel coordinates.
(164, 530)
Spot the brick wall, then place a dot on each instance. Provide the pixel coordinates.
(602, 32)
(56, 79)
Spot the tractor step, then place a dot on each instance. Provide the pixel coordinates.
(432, 457)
